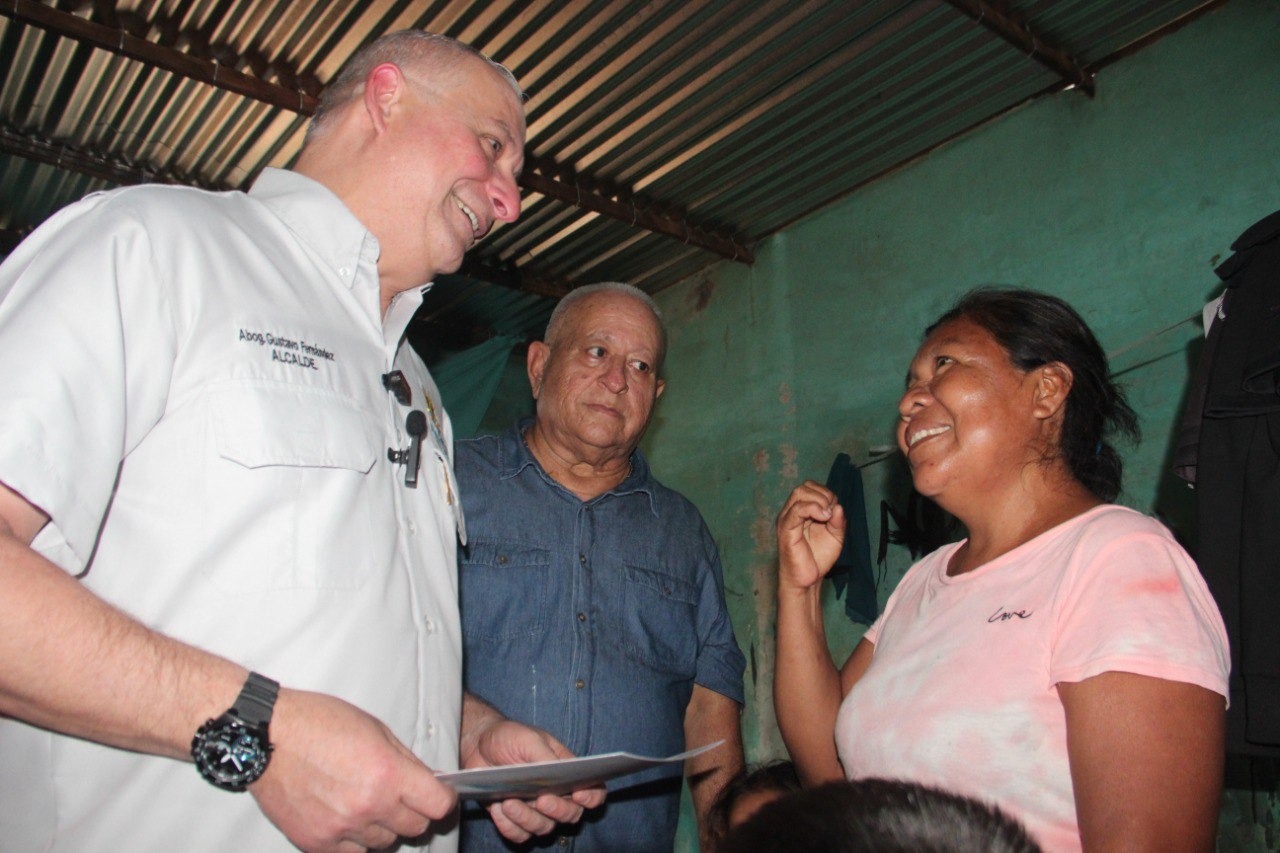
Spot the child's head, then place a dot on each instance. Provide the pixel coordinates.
(877, 816)
(752, 788)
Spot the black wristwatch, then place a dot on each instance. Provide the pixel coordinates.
(233, 750)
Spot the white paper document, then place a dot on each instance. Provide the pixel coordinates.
(526, 781)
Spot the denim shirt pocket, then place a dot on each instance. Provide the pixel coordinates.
(659, 620)
(505, 590)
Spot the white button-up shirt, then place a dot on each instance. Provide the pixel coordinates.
(192, 392)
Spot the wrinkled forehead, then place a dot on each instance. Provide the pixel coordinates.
(616, 315)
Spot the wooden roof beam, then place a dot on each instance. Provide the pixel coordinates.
(997, 17)
(92, 164)
(545, 176)
(122, 43)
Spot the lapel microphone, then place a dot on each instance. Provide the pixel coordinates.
(416, 425)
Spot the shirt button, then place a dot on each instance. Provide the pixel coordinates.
(431, 730)
(582, 617)
(582, 558)
(344, 272)
(579, 684)
(430, 626)
(411, 527)
(562, 841)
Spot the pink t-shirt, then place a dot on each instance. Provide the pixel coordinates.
(961, 691)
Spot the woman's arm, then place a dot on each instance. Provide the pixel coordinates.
(806, 685)
(1146, 759)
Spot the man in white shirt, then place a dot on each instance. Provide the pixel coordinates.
(218, 455)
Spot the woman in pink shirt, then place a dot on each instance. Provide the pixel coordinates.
(1065, 662)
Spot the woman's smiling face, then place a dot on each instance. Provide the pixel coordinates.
(968, 424)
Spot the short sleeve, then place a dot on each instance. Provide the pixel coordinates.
(87, 343)
(720, 664)
(1137, 603)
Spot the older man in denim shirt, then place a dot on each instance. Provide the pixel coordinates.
(592, 595)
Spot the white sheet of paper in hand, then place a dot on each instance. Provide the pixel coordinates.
(526, 781)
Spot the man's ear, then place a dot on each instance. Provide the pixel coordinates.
(383, 87)
(536, 365)
(1052, 385)
(661, 386)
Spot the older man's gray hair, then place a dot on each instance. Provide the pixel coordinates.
(555, 326)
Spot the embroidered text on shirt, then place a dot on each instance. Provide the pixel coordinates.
(287, 350)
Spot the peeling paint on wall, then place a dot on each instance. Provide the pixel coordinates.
(762, 530)
(790, 472)
(767, 740)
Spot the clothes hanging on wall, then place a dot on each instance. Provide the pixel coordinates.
(853, 567)
(1229, 448)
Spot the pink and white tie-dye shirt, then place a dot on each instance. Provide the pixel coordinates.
(961, 691)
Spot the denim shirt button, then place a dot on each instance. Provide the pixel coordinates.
(562, 841)
(582, 558)
(579, 684)
(582, 617)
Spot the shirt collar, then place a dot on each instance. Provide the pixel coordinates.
(318, 217)
(329, 229)
(516, 457)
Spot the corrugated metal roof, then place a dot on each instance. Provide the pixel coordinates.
(723, 122)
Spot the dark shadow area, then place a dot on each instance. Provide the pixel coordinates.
(1175, 500)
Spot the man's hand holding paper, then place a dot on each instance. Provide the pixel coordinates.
(491, 740)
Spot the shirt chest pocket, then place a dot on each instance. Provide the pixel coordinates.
(659, 617)
(292, 471)
(505, 591)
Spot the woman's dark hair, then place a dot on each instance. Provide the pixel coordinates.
(778, 775)
(1037, 329)
(878, 816)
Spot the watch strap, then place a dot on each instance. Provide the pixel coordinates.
(256, 700)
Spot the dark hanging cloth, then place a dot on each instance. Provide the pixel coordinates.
(1229, 447)
(923, 527)
(852, 570)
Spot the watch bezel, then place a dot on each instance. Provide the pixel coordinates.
(227, 729)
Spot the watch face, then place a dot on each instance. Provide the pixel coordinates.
(229, 754)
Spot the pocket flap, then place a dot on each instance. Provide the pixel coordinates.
(277, 424)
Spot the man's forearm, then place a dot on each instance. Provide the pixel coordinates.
(711, 717)
(74, 664)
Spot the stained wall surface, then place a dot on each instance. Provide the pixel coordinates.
(1122, 204)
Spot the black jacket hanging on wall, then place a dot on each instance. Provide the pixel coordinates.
(1229, 447)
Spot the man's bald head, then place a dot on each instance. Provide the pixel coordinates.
(428, 59)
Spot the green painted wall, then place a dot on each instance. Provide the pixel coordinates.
(1121, 204)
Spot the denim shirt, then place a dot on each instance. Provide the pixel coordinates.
(592, 620)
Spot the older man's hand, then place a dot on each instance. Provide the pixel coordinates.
(491, 740)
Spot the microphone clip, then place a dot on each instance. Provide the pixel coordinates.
(416, 425)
